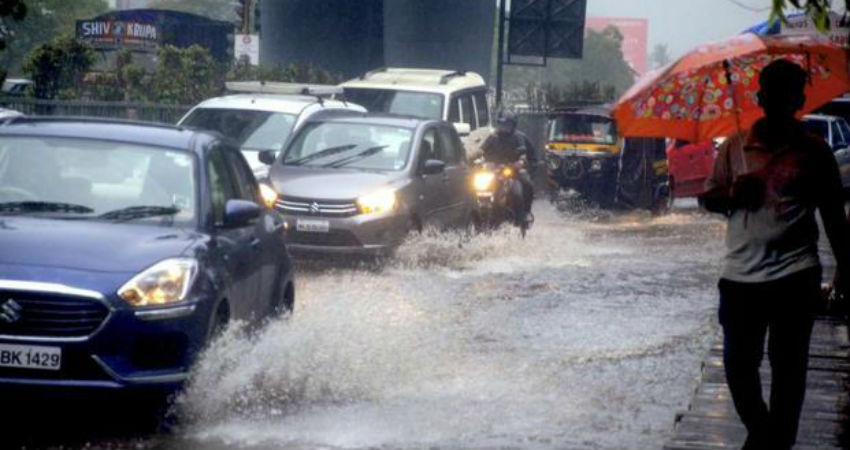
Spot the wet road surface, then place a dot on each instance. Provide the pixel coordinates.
(586, 335)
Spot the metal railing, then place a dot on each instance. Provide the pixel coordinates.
(152, 112)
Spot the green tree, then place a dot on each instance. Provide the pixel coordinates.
(602, 66)
(817, 9)
(186, 76)
(44, 21)
(214, 9)
(660, 56)
(57, 69)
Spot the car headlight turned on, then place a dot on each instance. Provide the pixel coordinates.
(268, 194)
(482, 181)
(164, 283)
(380, 201)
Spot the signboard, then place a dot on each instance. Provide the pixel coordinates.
(546, 29)
(247, 45)
(803, 24)
(117, 33)
(635, 38)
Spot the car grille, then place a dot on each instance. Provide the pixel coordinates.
(49, 315)
(334, 238)
(318, 208)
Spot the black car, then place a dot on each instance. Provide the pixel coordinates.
(125, 247)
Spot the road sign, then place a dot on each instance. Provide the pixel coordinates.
(247, 45)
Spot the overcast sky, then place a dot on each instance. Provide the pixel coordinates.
(684, 24)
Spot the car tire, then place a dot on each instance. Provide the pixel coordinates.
(220, 320)
(285, 302)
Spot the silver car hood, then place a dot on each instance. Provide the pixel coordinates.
(327, 184)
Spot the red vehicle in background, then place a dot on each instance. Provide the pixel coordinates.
(689, 166)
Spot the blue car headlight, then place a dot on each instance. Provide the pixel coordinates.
(165, 283)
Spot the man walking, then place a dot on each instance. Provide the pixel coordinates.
(769, 182)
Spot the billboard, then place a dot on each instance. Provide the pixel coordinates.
(546, 28)
(635, 38)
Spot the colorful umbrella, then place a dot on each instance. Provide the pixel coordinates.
(711, 91)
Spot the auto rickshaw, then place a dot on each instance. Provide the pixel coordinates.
(582, 154)
(586, 158)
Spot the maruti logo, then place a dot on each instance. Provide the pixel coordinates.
(10, 311)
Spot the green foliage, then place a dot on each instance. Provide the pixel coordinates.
(242, 70)
(10, 11)
(603, 66)
(214, 9)
(44, 21)
(660, 56)
(57, 69)
(186, 76)
(818, 10)
(125, 81)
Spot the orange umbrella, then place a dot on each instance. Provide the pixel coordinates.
(711, 91)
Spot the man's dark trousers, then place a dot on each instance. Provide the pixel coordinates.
(783, 309)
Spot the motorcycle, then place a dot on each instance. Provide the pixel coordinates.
(499, 197)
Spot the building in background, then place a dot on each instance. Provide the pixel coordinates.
(352, 37)
(635, 38)
(143, 30)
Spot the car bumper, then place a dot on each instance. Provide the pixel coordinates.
(361, 234)
(131, 350)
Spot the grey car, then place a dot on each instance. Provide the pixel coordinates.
(359, 182)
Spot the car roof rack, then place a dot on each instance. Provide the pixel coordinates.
(274, 87)
(448, 77)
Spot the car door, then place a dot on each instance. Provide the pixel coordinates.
(431, 196)
(457, 193)
(237, 248)
(267, 244)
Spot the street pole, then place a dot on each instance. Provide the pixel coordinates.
(500, 53)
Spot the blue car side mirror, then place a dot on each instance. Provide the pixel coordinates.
(238, 213)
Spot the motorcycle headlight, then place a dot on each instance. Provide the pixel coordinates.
(269, 195)
(164, 283)
(377, 202)
(482, 180)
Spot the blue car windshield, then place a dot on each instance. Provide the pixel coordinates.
(351, 145)
(90, 179)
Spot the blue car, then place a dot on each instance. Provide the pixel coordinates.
(123, 248)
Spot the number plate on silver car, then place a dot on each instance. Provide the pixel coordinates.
(313, 226)
(30, 357)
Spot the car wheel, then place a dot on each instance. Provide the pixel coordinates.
(285, 302)
(220, 320)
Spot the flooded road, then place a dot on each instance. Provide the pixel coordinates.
(586, 335)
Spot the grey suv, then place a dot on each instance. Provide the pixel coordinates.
(358, 182)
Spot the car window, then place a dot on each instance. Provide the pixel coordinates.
(838, 138)
(454, 110)
(418, 104)
(451, 149)
(482, 109)
(431, 147)
(253, 131)
(364, 146)
(245, 182)
(222, 184)
(845, 130)
(467, 112)
(99, 175)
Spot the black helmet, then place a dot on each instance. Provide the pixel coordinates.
(507, 118)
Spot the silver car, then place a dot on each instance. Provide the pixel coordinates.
(359, 183)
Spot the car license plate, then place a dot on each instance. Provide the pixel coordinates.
(313, 226)
(30, 357)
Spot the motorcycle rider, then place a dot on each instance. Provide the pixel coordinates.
(509, 146)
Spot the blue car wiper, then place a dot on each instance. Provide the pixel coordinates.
(138, 212)
(321, 154)
(39, 206)
(350, 159)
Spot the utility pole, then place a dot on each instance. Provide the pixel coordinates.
(500, 53)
